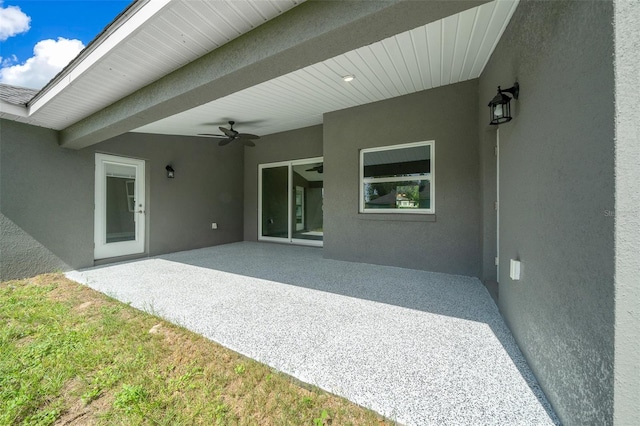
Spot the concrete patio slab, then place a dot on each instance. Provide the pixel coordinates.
(420, 348)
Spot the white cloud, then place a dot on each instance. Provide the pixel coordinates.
(7, 62)
(12, 21)
(49, 57)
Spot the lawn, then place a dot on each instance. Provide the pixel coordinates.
(70, 355)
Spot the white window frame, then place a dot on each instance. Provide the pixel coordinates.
(430, 178)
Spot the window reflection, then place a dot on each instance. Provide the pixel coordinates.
(274, 202)
(397, 178)
(308, 192)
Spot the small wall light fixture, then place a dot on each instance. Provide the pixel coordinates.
(499, 107)
(348, 78)
(170, 172)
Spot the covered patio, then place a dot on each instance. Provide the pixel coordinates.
(418, 347)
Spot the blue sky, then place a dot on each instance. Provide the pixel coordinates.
(39, 37)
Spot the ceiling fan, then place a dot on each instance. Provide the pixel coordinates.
(231, 135)
(319, 169)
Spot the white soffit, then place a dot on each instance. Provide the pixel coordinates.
(448, 51)
(160, 37)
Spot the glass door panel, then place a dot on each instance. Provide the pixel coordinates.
(308, 190)
(274, 202)
(120, 203)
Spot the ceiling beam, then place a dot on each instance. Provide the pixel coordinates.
(307, 34)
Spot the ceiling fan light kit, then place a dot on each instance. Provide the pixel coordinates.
(231, 135)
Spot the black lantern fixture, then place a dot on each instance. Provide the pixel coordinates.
(170, 172)
(499, 107)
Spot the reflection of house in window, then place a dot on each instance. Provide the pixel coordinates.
(397, 179)
(407, 197)
(402, 202)
(378, 196)
(131, 200)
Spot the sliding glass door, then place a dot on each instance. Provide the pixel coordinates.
(290, 201)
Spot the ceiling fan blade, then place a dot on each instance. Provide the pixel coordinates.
(225, 122)
(211, 135)
(229, 133)
(247, 136)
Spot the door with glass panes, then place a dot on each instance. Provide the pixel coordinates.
(119, 206)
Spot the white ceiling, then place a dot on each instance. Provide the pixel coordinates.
(448, 51)
(149, 40)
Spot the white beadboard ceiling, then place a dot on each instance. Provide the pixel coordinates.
(448, 51)
(163, 35)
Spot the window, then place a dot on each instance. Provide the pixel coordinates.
(398, 179)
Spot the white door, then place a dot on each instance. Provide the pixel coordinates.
(119, 206)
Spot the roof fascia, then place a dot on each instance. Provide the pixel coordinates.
(14, 110)
(128, 22)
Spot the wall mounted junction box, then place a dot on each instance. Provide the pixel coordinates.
(514, 269)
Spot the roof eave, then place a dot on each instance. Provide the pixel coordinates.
(127, 22)
(10, 110)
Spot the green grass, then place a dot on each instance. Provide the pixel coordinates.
(70, 355)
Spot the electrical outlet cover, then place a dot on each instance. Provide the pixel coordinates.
(514, 269)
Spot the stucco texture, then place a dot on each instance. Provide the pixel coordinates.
(556, 187)
(22, 256)
(448, 241)
(46, 203)
(627, 211)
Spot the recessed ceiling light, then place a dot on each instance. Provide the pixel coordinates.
(348, 78)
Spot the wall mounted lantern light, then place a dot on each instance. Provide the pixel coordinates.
(170, 172)
(499, 107)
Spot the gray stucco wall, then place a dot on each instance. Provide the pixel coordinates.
(46, 203)
(293, 145)
(208, 187)
(556, 186)
(488, 191)
(627, 211)
(448, 241)
(47, 197)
